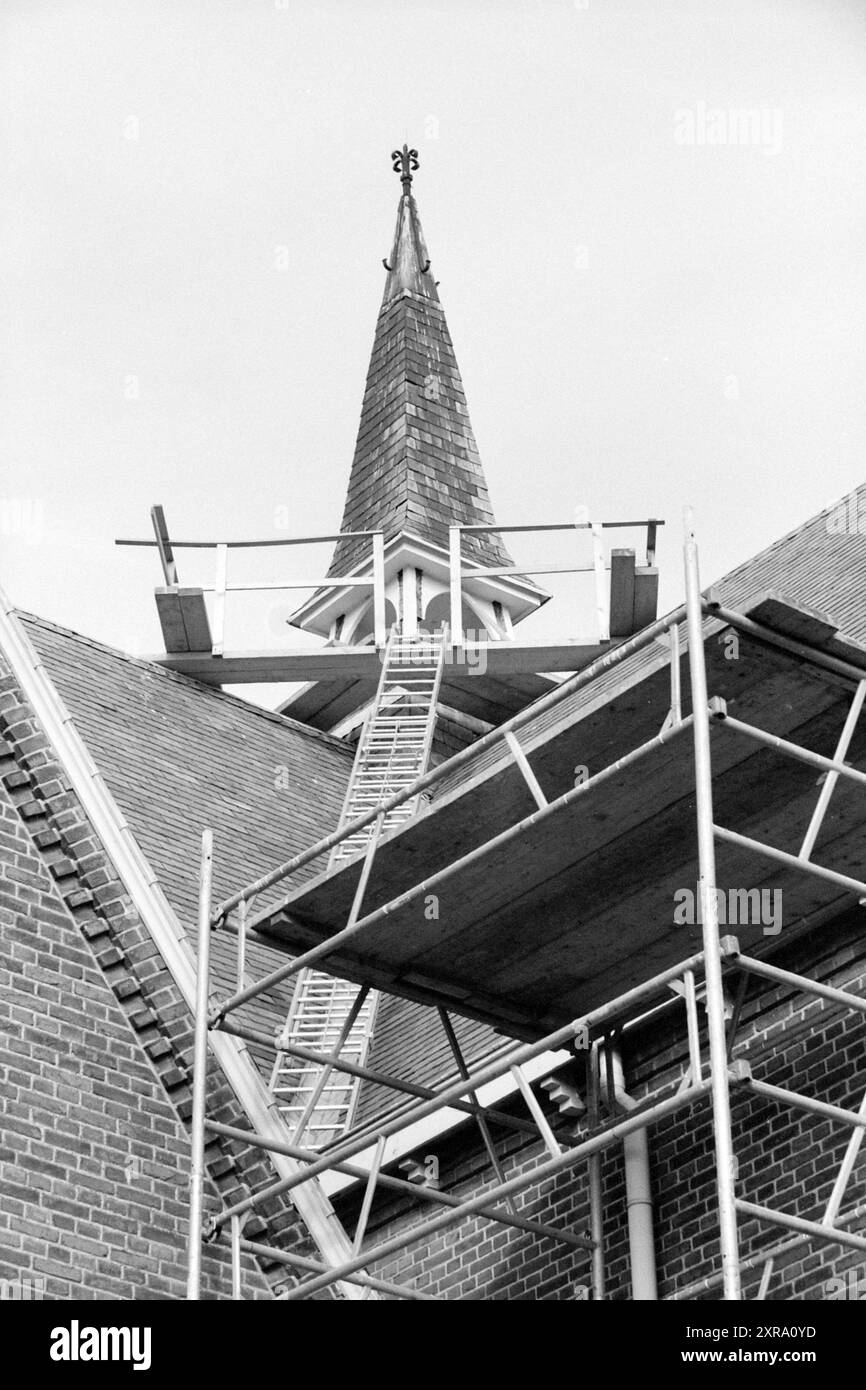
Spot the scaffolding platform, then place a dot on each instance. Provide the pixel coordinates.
(519, 899)
(540, 890)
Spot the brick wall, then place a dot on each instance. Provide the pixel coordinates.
(96, 1054)
(94, 1162)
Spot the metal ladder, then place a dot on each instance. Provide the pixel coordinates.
(395, 743)
(330, 1015)
(326, 1015)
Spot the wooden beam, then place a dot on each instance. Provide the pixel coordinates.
(184, 621)
(791, 618)
(646, 596)
(337, 664)
(464, 721)
(621, 593)
(323, 704)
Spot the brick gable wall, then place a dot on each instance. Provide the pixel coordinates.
(94, 1162)
(97, 1046)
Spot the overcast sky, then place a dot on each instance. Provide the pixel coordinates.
(656, 298)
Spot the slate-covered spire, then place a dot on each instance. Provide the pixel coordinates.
(416, 467)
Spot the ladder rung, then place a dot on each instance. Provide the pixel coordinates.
(385, 773)
(380, 757)
(382, 752)
(383, 746)
(408, 719)
(388, 733)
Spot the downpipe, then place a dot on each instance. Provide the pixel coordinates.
(638, 1190)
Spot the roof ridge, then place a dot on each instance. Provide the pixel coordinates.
(789, 535)
(180, 677)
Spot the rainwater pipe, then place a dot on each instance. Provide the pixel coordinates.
(641, 1241)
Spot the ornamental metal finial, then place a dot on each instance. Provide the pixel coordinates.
(404, 162)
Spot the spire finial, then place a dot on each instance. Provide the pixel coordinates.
(404, 162)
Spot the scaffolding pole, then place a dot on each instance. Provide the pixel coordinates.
(199, 1076)
(596, 1020)
(715, 1004)
(589, 1148)
(403, 1186)
(429, 885)
(611, 659)
(566, 1159)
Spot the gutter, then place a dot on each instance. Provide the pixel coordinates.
(161, 921)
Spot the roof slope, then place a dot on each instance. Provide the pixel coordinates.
(416, 466)
(821, 563)
(178, 757)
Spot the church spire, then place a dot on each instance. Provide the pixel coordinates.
(416, 468)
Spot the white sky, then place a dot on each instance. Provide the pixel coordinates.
(640, 323)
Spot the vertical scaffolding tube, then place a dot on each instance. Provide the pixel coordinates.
(199, 1079)
(710, 925)
(596, 1190)
(237, 1292)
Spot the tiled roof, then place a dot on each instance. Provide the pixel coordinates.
(178, 757)
(416, 466)
(821, 564)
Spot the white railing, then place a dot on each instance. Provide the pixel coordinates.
(221, 586)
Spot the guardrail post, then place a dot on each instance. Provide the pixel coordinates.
(379, 634)
(455, 585)
(219, 612)
(602, 606)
